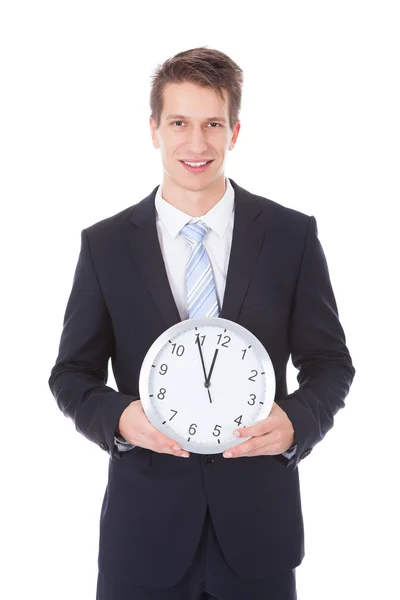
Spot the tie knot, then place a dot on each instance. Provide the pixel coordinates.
(195, 232)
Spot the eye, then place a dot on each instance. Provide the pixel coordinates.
(210, 123)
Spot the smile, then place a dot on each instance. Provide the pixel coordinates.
(196, 167)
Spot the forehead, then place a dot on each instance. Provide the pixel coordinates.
(194, 101)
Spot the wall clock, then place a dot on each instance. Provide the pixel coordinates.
(203, 378)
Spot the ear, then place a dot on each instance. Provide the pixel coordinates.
(154, 135)
(235, 134)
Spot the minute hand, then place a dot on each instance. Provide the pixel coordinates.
(202, 359)
(208, 379)
(204, 369)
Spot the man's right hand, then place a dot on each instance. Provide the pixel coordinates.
(135, 427)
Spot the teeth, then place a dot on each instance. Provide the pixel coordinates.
(195, 164)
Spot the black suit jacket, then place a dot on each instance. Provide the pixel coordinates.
(277, 286)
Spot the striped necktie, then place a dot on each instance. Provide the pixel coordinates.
(200, 286)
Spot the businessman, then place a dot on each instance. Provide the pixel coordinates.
(174, 525)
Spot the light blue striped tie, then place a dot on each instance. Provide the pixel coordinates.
(200, 285)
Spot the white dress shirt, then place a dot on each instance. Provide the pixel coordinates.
(176, 250)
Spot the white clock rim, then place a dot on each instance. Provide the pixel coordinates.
(172, 331)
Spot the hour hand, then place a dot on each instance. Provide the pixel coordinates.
(208, 379)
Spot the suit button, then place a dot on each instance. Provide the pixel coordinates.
(103, 446)
(209, 460)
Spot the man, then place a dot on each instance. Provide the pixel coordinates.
(209, 526)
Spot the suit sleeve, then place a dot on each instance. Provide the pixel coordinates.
(318, 349)
(78, 378)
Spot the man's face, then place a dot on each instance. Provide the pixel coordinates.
(194, 127)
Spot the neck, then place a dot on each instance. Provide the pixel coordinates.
(195, 203)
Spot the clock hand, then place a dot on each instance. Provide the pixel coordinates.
(202, 359)
(204, 368)
(208, 379)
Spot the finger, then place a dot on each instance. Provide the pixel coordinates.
(239, 450)
(245, 451)
(148, 436)
(260, 450)
(251, 445)
(266, 450)
(165, 445)
(160, 442)
(264, 426)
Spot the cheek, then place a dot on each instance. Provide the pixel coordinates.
(173, 151)
(169, 147)
(223, 148)
(168, 156)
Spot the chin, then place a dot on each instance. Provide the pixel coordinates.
(195, 186)
(191, 182)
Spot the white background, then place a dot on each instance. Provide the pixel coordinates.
(320, 133)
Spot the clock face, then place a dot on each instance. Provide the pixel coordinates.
(198, 408)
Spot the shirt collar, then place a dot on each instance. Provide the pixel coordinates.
(217, 218)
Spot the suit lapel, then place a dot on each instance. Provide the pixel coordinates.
(247, 238)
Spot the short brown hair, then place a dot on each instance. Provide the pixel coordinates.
(205, 67)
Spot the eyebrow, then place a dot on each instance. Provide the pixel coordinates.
(183, 118)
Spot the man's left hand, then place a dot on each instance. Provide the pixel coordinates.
(272, 435)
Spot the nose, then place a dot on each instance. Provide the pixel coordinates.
(196, 141)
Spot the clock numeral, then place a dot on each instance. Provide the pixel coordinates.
(218, 431)
(165, 370)
(238, 420)
(198, 337)
(179, 350)
(192, 429)
(227, 338)
(244, 352)
(161, 393)
(174, 411)
(254, 399)
(255, 373)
